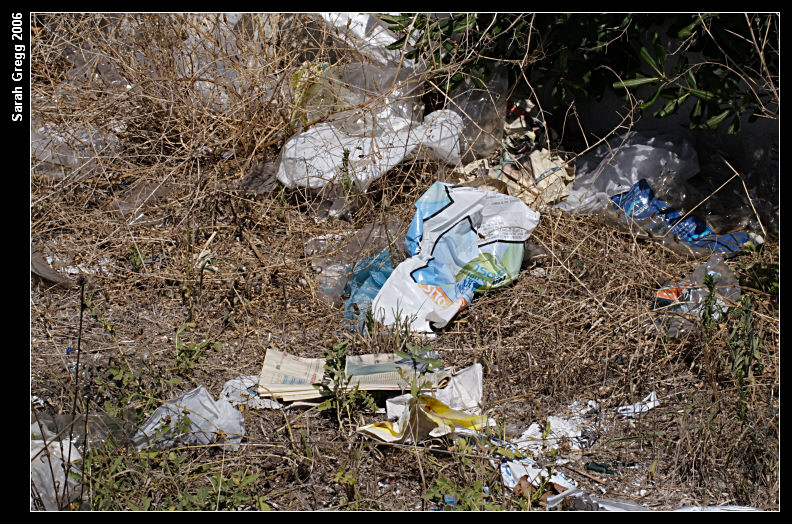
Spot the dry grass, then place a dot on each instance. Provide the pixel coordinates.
(581, 328)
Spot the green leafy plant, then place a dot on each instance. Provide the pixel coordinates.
(340, 396)
(745, 351)
(190, 354)
(728, 64)
(709, 315)
(422, 363)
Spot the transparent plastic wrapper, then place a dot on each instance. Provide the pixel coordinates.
(62, 151)
(326, 154)
(483, 110)
(639, 207)
(681, 305)
(462, 240)
(337, 258)
(48, 466)
(366, 279)
(243, 390)
(193, 418)
(216, 57)
(368, 35)
(614, 167)
(354, 97)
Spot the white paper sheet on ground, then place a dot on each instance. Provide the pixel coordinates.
(324, 152)
(462, 240)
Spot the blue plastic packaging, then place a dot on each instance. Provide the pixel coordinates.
(640, 203)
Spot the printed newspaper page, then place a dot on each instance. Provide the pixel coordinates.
(288, 377)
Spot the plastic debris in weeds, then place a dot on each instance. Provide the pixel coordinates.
(327, 154)
(365, 280)
(50, 460)
(483, 111)
(639, 408)
(526, 169)
(682, 305)
(243, 390)
(367, 117)
(461, 241)
(455, 405)
(428, 416)
(527, 470)
(640, 208)
(578, 429)
(70, 151)
(193, 418)
(351, 256)
(614, 167)
(537, 178)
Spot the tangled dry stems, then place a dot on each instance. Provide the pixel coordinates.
(580, 328)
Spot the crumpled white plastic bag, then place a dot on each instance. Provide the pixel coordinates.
(324, 153)
(204, 421)
(614, 167)
(48, 468)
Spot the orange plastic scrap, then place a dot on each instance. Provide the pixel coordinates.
(672, 294)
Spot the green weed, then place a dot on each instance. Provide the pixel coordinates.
(341, 397)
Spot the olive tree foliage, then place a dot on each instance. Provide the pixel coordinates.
(727, 65)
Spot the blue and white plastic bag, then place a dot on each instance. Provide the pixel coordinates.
(461, 240)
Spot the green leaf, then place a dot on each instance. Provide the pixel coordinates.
(661, 54)
(649, 60)
(716, 120)
(466, 22)
(635, 82)
(734, 126)
(690, 79)
(397, 44)
(671, 107)
(651, 102)
(688, 30)
(697, 111)
(391, 19)
(703, 95)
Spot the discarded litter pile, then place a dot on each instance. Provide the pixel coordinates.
(682, 305)
(288, 377)
(471, 232)
(621, 179)
(527, 170)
